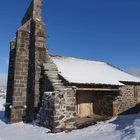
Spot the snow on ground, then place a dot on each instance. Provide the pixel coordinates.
(2, 101)
(118, 128)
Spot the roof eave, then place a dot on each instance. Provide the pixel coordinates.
(130, 82)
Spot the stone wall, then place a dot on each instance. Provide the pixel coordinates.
(33, 11)
(58, 110)
(10, 78)
(128, 99)
(27, 55)
(37, 56)
(20, 76)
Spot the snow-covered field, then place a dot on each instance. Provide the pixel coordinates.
(119, 128)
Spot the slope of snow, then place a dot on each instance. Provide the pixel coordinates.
(2, 101)
(118, 128)
(91, 72)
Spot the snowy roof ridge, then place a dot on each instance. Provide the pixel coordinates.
(72, 57)
(100, 61)
(83, 71)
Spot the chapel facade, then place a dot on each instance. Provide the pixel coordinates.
(62, 93)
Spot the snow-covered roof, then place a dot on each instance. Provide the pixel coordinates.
(82, 71)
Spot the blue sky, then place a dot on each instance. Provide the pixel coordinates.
(106, 30)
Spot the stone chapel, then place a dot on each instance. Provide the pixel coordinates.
(62, 93)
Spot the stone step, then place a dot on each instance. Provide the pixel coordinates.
(50, 61)
(57, 84)
(49, 64)
(50, 69)
(51, 73)
(53, 78)
(56, 81)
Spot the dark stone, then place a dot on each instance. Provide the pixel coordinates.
(61, 117)
(69, 108)
(24, 67)
(70, 120)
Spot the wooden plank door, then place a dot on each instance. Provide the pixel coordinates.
(84, 104)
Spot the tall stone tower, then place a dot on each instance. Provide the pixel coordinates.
(27, 54)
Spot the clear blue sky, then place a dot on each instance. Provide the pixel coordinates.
(106, 30)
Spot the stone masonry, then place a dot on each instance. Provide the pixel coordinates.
(35, 90)
(58, 110)
(58, 103)
(28, 53)
(29, 67)
(129, 98)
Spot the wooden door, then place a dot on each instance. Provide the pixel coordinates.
(84, 104)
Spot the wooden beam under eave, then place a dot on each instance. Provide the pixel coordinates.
(97, 89)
